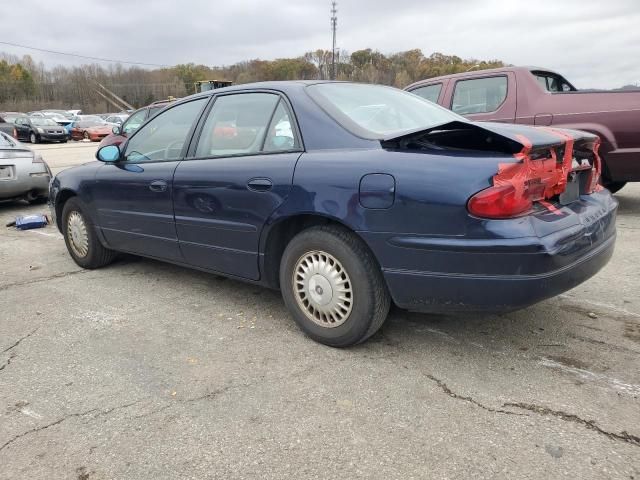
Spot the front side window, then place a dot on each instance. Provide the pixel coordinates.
(246, 123)
(134, 122)
(378, 112)
(163, 137)
(480, 95)
(430, 92)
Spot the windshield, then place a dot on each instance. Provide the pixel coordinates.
(43, 121)
(92, 118)
(89, 124)
(376, 112)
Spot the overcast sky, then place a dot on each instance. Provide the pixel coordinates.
(594, 43)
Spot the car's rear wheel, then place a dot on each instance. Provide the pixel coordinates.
(81, 238)
(333, 286)
(33, 138)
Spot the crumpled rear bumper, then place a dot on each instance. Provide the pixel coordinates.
(504, 270)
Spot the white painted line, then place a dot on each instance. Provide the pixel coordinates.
(46, 234)
(30, 413)
(588, 375)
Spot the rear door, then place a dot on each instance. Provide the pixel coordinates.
(484, 98)
(22, 128)
(134, 197)
(240, 171)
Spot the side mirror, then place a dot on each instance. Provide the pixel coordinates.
(117, 129)
(108, 153)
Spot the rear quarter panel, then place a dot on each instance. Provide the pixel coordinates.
(431, 191)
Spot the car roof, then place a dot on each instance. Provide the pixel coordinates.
(487, 71)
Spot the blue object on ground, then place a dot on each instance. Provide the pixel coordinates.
(27, 222)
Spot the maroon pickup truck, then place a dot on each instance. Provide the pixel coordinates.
(537, 96)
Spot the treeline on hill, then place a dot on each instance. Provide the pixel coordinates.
(25, 85)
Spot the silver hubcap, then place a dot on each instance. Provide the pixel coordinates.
(322, 288)
(77, 233)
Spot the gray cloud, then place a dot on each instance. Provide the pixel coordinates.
(594, 43)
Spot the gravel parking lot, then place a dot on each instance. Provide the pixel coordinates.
(148, 370)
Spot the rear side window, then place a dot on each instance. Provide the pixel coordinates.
(430, 92)
(245, 124)
(480, 95)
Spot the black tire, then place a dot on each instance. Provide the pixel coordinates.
(613, 187)
(33, 138)
(370, 299)
(97, 255)
(85, 135)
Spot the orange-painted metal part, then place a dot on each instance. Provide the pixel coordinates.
(544, 178)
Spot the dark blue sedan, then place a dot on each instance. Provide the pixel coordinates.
(347, 197)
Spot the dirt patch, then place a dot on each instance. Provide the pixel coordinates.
(632, 331)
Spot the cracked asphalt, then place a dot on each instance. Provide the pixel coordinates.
(144, 370)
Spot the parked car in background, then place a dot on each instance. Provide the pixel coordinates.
(39, 129)
(363, 196)
(132, 123)
(7, 126)
(538, 96)
(10, 117)
(61, 117)
(91, 129)
(117, 119)
(23, 173)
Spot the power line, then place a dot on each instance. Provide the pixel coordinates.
(83, 56)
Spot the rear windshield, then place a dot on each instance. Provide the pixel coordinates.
(377, 112)
(5, 141)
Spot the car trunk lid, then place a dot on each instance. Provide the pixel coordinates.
(549, 166)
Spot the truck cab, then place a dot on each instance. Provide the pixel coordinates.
(541, 97)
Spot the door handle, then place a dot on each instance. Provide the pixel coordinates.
(158, 186)
(259, 184)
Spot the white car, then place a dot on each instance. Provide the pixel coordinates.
(23, 173)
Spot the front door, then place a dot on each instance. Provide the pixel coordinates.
(239, 172)
(133, 197)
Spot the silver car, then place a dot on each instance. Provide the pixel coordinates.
(23, 172)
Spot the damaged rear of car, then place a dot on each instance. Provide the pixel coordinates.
(487, 216)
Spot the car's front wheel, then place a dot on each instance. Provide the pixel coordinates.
(333, 286)
(33, 138)
(81, 238)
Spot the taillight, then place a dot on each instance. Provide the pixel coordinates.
(15, 133)
(502, 201)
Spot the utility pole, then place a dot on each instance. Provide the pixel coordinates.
(334, 26)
